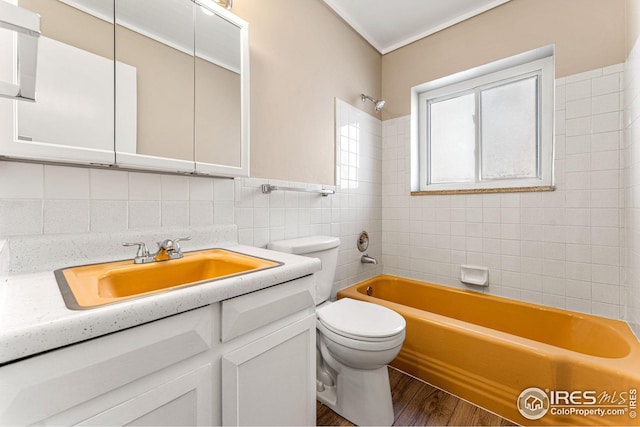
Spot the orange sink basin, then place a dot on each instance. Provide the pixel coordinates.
(94, 285)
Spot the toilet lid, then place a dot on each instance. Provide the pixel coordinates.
(361, 319)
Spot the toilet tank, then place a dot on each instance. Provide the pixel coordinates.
(323, 247)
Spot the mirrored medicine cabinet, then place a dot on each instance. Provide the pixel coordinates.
(140, 84)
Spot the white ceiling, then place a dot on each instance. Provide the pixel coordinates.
(391, 24)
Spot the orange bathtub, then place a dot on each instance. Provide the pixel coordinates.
(531, 364)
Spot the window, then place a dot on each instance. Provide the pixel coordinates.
(486, 129)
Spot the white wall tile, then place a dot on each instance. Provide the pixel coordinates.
(174, 187)
(174, 213)
(144, 186)
(200, 213)
(577, 144)
(144, 214)
(29, 175)
(606, 84)
(66, 216)
(578, 90)
(62, 182)
(578, 108)
(607, 122)
(200, 189)
(21, 217)
(223, 190)
(606, 103)
(223, 212)
(109, 184)
(108, 216)
(606, 141)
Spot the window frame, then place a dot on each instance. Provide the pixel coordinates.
(538, 62)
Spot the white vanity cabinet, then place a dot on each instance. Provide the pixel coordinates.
(180, 370)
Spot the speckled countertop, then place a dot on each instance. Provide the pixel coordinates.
(34, 317)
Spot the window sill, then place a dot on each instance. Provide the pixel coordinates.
(484, 190)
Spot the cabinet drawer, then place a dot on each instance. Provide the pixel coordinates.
(41, 386)
(251, 311)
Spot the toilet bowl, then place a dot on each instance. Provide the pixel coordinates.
(359, 334)
(355, 341)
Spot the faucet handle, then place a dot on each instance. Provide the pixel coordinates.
(166, 244)
(176, 245)
(142, 253)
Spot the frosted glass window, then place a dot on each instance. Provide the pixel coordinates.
(489, 128)
(509, 130)
(452, 139)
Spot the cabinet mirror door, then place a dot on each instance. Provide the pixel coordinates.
(155, 84)
(221, 95)
(143, 84)
(72, 119)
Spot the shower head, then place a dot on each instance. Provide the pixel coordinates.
(379, 103)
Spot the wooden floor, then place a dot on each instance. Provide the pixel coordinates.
(416, 403)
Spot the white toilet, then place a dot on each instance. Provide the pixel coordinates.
(355, 342)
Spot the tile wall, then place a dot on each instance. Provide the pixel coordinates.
(560, 248)
(632, 186)
(46, 199)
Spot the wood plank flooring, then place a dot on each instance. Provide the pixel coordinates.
(416, 403)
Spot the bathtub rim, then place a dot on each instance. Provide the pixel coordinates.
(621, 328)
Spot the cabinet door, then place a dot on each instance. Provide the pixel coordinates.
(75, 383)
(72, 118)
(185, 401)
(272, 380)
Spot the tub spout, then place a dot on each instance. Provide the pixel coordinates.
(366, 259)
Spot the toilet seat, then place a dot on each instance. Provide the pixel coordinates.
(361, 321)
(381, 344)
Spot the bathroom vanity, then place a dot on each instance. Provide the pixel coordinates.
(237, 351)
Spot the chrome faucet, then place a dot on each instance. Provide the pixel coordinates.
(366, 259)
(168, 249)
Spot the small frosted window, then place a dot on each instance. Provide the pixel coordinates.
(489, 128)
(452, 139)
(509, 136)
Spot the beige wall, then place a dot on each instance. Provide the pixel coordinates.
(302, 56)
(633, 23)
(587, 33)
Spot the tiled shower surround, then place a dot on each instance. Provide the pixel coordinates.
(564, 248)
(356, 206)
(560, 248)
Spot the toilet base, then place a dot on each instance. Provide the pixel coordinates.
(361, 396)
